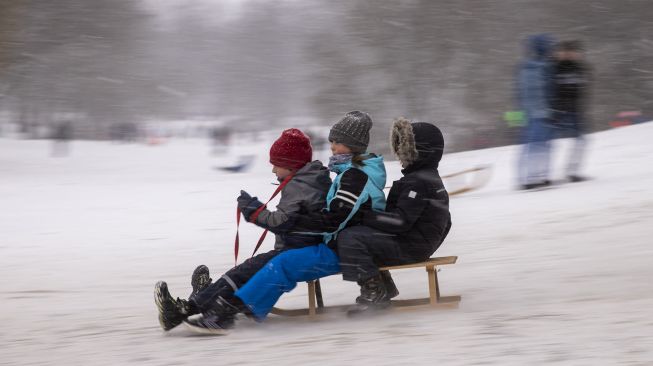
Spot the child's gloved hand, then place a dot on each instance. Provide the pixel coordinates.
(248, 204)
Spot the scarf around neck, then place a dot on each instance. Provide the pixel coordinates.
(339, 159)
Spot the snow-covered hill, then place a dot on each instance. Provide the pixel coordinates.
(558, 276)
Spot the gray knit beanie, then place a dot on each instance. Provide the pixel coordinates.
(353, 131)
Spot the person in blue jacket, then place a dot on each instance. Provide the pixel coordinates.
(534, 89)
(357, 189)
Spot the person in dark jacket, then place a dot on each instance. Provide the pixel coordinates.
(414, 224)
(570, 79)
(306, 186)
(534, 98)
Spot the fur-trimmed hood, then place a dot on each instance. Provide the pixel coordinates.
(402, 141)
(417, 145)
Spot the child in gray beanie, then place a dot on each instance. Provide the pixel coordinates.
(353, 130)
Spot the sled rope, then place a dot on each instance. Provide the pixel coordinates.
(253, 218)
(237, 242)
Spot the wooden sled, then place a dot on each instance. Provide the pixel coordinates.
(244, 162)
(467, 180)
(316, 303)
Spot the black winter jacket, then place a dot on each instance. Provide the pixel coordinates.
(417, 208)
(570, 83)
(417, 211)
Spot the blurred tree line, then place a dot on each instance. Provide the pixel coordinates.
(255, 62)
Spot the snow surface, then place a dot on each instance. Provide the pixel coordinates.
(557, 276)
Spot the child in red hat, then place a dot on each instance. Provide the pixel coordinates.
(305, 187)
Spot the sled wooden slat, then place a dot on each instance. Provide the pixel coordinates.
(311, 298)
(470, 170)
(439, 261)
(473, 179)
(433, 301)
(456, 192)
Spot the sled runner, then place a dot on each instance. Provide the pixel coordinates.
(316, 304)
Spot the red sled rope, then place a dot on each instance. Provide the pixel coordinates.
(253, 218)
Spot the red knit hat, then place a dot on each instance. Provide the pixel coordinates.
(292, 150)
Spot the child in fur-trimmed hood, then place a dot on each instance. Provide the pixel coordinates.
(414, 224)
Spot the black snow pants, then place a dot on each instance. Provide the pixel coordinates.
(233, 279)
(362, 250)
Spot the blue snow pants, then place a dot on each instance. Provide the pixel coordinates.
(282, 273)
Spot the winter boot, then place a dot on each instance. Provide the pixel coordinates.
(374, 296)
(218, 320)
(576, 178)
(171, 312)
(391, 289)
(200, 280)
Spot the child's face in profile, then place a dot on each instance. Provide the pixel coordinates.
(338, 148)
(280, 172)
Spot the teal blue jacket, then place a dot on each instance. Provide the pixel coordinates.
(355, 190)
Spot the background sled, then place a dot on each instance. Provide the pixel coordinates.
(467, 180)
(244, 163)
(316, 302)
